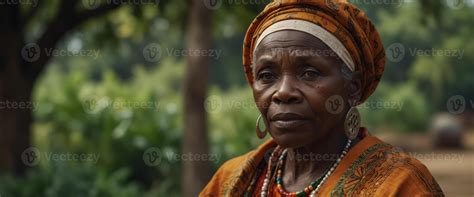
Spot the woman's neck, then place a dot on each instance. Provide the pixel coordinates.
(305, 164)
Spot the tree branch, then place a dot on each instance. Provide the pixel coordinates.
(65, 21)
(85, 15)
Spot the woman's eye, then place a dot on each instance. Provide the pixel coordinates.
(266, 76)
(310, 74)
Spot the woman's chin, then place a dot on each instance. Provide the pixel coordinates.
(291, 140)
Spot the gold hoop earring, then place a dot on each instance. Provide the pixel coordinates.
(352, 123)
(260, 134)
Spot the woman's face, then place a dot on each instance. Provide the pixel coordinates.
(298, 86)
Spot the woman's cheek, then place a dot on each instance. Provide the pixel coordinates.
(263, 91)
(259, 98)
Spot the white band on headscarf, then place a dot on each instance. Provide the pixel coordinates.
(315, 30)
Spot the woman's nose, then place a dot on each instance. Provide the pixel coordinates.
(287, 92)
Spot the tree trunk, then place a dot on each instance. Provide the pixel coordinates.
(15, 115)
(196, 174)
(18, 76)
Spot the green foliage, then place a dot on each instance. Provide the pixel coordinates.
(85, 105)
(398, 107)
(57, 180)
(232, 117)
(112, 119)
(439, 75)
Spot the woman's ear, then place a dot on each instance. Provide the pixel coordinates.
(355, 91)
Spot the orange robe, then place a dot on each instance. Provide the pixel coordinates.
(370, 168)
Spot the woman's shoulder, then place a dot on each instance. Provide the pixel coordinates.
(236, 170)
(407, 173)
(386, 170)
(249, 159)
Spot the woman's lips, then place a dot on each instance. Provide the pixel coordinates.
(288, 124)
(287, 121)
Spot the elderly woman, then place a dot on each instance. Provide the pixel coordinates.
(310, 63)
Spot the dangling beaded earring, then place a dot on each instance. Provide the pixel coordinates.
(261, 134)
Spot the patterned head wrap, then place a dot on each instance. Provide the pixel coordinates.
(347, 23)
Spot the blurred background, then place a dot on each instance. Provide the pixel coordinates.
(149, 98)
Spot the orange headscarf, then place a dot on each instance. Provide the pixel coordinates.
(347, 23)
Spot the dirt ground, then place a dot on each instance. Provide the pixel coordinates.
(453, 169)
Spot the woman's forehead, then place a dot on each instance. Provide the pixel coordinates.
(297, 42)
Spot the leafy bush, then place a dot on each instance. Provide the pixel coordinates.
(58, 180)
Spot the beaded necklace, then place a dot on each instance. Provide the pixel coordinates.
(310, 190)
